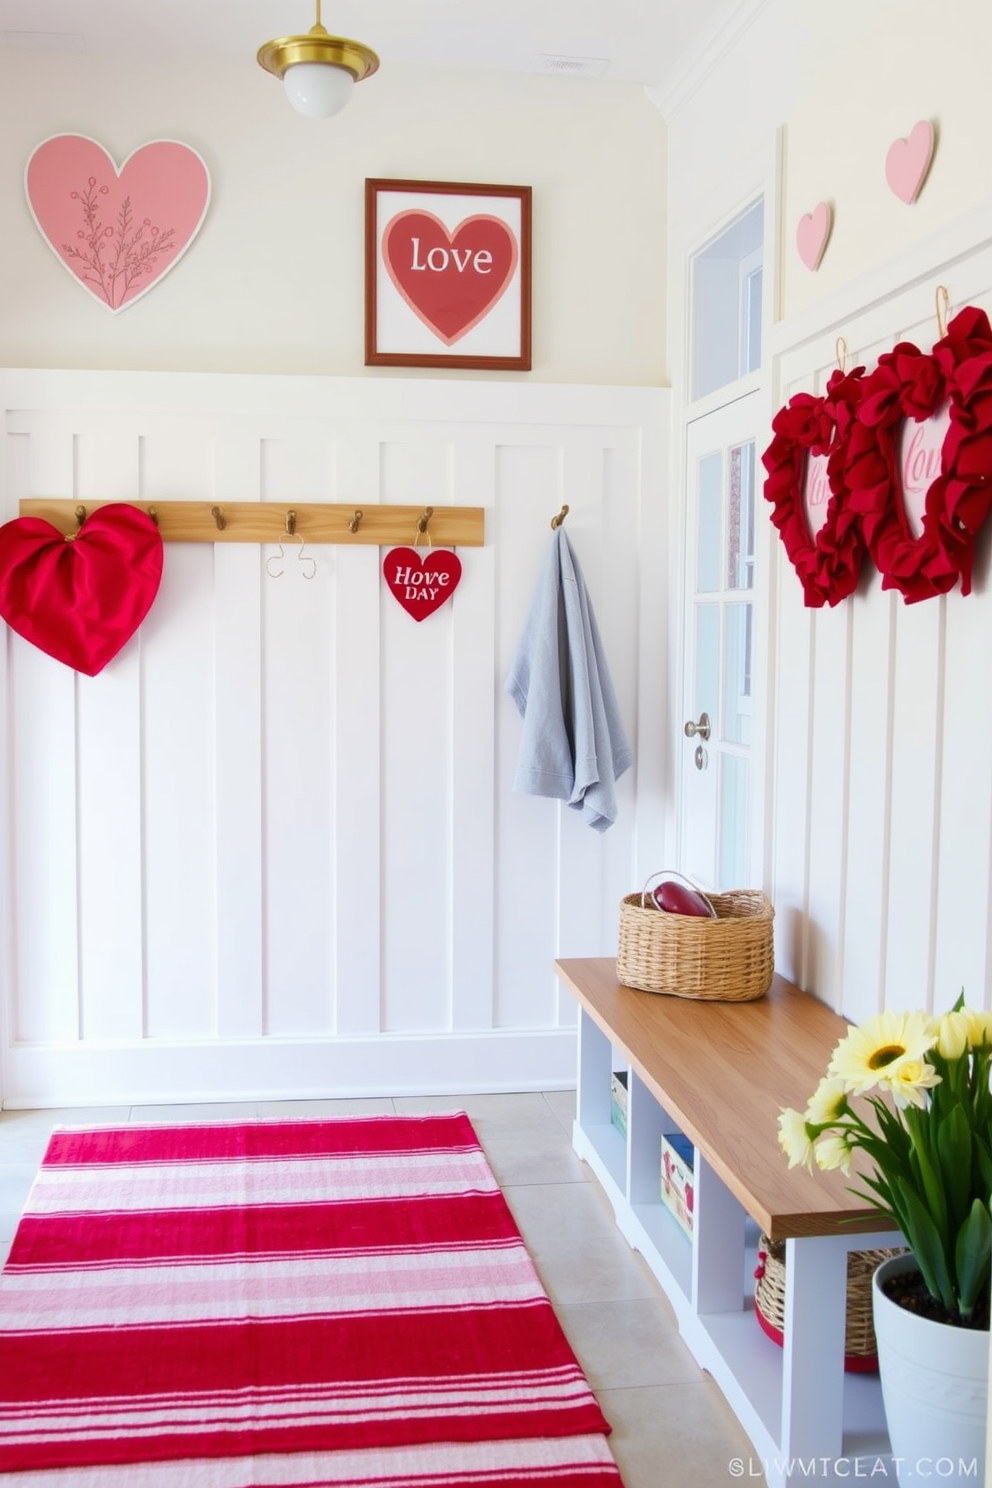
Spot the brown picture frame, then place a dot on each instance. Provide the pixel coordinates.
(447, 275)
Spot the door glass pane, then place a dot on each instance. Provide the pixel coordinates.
(710, 507)
(740, 517)
(751, 353)
(726, 304)
(707, 659)
(735, 775)
(736, 720)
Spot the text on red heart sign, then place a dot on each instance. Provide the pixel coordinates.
(451, 281)
(422, 581)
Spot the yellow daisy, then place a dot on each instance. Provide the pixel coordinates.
(874, 1051)
(910, 1081)
(832, 1151)
(828, 1102)
(794, 1139)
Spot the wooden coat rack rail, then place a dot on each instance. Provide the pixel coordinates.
(271, 521)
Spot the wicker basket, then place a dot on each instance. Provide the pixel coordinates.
(729, 958)
(860, 1354)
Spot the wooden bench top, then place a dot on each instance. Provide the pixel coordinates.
(723, 1070)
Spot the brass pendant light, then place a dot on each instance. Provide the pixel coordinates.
(318, 70)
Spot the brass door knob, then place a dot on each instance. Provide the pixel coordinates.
(702, 728)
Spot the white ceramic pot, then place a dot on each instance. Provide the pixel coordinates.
(935, 1388)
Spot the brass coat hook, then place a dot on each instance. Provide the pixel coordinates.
(153, 513)
(557, 521)
(80, 515)
(291, 523)
(423, 520)
(356, 519)
(217, 512)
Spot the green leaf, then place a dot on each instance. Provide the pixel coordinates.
(929, 1178)
(954, 1158)
(973, 1257)
(883, 1201)
(925, 1242)
(983, 1164)
(891, 1149)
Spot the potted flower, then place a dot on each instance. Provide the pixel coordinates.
(910, 1093)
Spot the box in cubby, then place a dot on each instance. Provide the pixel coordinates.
(618, 1101)
(677, 1188)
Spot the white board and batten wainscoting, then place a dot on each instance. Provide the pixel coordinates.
(879, 794)
(273, 849)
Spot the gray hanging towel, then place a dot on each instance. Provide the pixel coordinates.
(573, 745)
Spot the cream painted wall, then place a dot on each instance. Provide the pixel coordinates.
(840, 86)
(839, 131)
(724, 119)
(275, 281)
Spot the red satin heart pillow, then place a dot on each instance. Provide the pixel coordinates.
(80, 599)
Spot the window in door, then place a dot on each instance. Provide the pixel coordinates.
(726, 280)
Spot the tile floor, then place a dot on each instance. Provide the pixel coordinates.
(671, 1425)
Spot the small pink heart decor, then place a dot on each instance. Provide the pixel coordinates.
(812, 234)
(118, 230)
(422, 581)
(908, 162)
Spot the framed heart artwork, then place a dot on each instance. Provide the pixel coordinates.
(447, 275)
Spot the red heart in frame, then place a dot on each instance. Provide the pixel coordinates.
(422, 581)
(450, 280)
(80, 598)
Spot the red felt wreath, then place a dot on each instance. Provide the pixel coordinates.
(829, 562)
(909, 383)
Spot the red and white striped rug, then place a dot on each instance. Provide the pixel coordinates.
(283, 1304)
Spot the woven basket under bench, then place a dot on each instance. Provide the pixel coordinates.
(729, 958)
(860, 1352)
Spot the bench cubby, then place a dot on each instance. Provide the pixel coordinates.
(719, 1073)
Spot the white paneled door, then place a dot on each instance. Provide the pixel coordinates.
(273, 847)
(716, 733)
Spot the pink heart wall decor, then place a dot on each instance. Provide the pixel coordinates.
(450, 280)
(812, 233)
(117, 229)
(422, 581)
(908, 162)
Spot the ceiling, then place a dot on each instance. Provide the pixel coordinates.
(641, 41)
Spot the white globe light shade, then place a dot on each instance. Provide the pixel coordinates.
(318, 89)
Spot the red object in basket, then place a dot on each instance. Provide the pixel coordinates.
(676, 898)
(853, 1363)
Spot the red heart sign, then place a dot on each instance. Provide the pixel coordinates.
(117, 230)
(80, 599)
(450, 280)
(422, 581)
